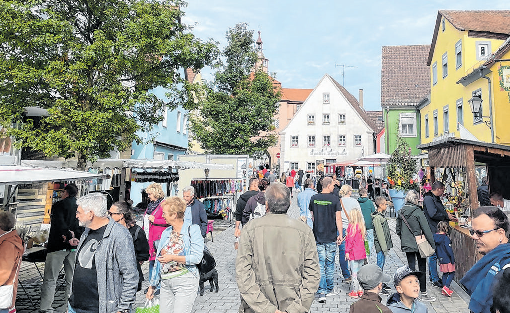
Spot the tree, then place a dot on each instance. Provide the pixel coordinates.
(92, 64)
(236, 111)
(402, 167)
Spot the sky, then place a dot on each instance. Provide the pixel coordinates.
(304, 40)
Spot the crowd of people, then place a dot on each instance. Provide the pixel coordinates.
(282, 265)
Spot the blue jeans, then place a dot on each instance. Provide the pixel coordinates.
(447, 278)
(369, 236)
(433, 268)
(381, 258)
(344, 265)
(151, 266)
(326, 253)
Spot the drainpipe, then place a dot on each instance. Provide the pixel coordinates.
(490, 106)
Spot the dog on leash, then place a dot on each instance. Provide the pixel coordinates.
(212, 277)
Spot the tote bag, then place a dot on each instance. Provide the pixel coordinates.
(424, 246)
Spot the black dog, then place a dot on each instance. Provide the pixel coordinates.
(212, 277)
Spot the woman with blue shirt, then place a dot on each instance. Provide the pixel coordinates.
(181, 247)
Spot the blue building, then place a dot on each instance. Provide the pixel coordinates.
(170, 142)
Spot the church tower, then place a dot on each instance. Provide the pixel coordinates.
(262, 62)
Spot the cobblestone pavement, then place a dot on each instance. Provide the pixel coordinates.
(227, 300)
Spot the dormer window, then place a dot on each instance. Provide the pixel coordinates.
(483, 50)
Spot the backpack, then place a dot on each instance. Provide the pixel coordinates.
(259, 211)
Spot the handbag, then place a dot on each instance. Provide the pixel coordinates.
(424, 246)
(7, 291)
(151, 306)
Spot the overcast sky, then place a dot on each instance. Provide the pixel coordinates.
(304, 40)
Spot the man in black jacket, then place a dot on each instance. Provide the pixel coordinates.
(241, 203)
(435, 213)
(62, 242)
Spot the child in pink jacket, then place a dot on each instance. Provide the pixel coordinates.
(355, 249)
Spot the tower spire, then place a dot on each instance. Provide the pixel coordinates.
(259, 43)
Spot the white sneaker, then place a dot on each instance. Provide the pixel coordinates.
(332, 293)
(425, 297)
(322, 299)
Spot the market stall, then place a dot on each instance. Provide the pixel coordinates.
(460, 164)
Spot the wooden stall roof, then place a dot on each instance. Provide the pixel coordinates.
(452, 152)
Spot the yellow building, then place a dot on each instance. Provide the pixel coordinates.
(468, 56)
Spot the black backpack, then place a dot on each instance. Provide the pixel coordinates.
(208, 263)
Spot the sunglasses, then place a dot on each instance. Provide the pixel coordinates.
(480, 233)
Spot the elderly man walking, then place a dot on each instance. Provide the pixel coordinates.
(303, 200)
(105, 273)
(195, 210)
(277, 265)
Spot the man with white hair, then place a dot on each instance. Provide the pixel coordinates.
(195, 210)
(105, 274)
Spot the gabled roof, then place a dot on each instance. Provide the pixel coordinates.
(405, 76)
(377, 117)
(350, 99)
(355, 104)
(291, 94)
(489, 21)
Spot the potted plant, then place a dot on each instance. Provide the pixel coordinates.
(401, 171)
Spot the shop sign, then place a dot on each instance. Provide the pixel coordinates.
(326, 151)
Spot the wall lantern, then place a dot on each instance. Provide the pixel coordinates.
(476, 104)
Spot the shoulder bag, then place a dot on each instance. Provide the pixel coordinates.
(7, 291)
(424, 246)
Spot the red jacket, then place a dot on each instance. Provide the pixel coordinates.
(355, 244)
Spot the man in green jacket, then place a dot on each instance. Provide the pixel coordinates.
(277, 266)
(382, 235)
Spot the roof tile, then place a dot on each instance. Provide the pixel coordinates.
(405, 76)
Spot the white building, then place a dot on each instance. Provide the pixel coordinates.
(330, 127)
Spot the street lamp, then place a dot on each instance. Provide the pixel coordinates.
(476, 104)
(476, 108)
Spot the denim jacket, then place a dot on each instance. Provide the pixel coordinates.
(193, 249)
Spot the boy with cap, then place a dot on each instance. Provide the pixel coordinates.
(408, 290)
(371, 279)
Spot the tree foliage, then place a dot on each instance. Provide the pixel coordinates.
(236, 111)
(92, 64)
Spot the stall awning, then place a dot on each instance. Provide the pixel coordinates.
(14, 175)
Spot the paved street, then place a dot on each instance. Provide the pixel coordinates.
(227, 299)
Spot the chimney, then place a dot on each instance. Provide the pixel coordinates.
(360, 99)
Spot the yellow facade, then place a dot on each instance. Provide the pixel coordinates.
(449, 99)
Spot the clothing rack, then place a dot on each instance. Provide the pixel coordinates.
(220, 206)
(216, 187)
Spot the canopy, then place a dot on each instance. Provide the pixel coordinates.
(378, 157)
(13, 175)
(367, 163)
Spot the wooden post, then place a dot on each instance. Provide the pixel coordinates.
(471, 177)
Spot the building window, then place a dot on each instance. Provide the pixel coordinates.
(341, 140)
(185, 125)
(178, 128)
(460, 114)
(325, 97)
(446, 120)
(310, 166)
(326, 141)
(477, 117)
(434, 73)
(445, 64)
(311, 141)
(276, 123)
(443, 25)
(458, 53)
(170, 157)
(407, 124)
(298, 106)
(294, 141)
(483, 50)
(357, 140)
(311, 119)
(325, 119)
(436, 125)
(294, 165)
(159, 156)
(330, 161)
(426, 126)
(341, 119)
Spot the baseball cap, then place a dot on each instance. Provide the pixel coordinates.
(371, 275)
(403, 272)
